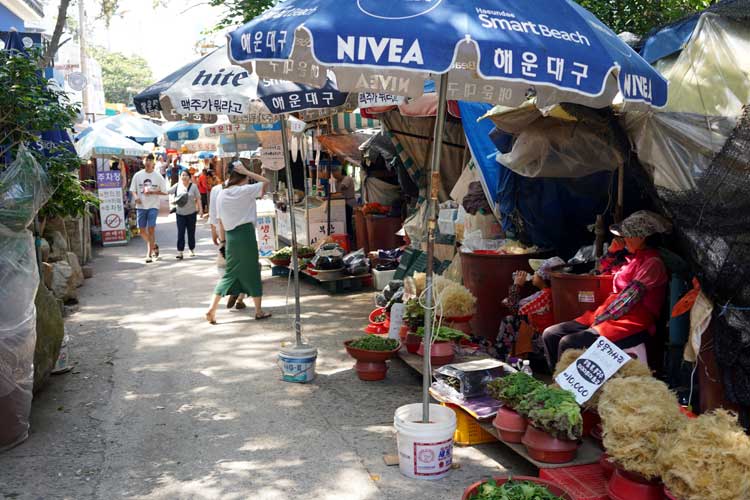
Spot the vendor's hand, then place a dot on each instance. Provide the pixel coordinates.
(616, 245)
(520, 278)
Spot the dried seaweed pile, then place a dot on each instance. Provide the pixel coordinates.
(708, 458)
(638, 414)
(632, 368)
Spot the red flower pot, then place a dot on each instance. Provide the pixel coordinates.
(510, 425)
(544, 447)
(552, 487)
(608, 466)
(625, 485)
(590, 420)
(441, 353)
(413, 341)
(370, 365)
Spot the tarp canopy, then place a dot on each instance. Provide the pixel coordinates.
(347, 146)
(103, 143)
(134, 127)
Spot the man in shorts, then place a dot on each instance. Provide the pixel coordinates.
(147, 187)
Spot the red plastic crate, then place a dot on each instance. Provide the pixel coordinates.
(583, 482)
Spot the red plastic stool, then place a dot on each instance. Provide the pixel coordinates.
(582, 482)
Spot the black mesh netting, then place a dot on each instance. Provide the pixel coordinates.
(714, 223)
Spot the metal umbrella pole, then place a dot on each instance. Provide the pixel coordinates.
(295, 259)
(434, 187)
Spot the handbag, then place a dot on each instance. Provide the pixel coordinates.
(183, 198)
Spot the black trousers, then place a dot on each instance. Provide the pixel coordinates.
(204, 202)
(573, 335)
(186, 223)
(350, 223)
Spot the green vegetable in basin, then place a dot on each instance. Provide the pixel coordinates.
(374, 343)
(554, 411)
(512, 389)
(444, 334)
(513, 490)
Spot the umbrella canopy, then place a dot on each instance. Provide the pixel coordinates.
(127, 125)
(495, 51)
(183, 131)
(212, 86)
(103, 143)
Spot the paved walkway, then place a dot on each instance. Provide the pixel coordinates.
(162, 405)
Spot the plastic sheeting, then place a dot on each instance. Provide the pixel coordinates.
(708, 88)
(23, 190)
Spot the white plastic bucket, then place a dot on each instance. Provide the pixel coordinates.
(297, 364)
(425, 451)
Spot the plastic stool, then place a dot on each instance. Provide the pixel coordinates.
(638, 352)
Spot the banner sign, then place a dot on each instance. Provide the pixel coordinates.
(223, 129)
(266, 236)
(272, 152)
(284, 97)
(592, 369)
(111, 208)
(377, 99)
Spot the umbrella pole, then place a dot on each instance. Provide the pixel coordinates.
(295, 260)
(236, 146)
(434, 187)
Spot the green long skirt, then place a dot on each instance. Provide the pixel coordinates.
(242, 274)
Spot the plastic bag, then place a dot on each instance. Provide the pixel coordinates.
(23, 190)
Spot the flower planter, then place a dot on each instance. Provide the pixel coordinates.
(441, 353)
(413, 341)
(552, 487)
(370, 365)
(510, 425)
(624, 485)
(546, 448)
(591, 419)
(281, 262)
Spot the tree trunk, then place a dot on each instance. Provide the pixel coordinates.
(54, 44)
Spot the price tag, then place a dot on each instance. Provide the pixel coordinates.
(397, 319)
(592, 369)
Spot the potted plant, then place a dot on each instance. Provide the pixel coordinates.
(413, 318)
(441, 352)
(511, 390)
(282, 257)
(371, 353)
(555, 425)
(515, 488)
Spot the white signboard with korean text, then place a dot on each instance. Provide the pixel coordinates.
(376, 99)
(592, 369)
(111, 208)
(266, 235)
(272, 152)
(397, 319)
(223, 129)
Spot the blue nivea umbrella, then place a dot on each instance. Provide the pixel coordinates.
(493, 51)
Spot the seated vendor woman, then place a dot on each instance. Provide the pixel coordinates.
(529, 316)
(628, 316)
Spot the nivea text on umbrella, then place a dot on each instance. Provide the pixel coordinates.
(370, 48)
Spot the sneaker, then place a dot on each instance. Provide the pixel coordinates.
(148, 260)
(192, 253)
(179, 256)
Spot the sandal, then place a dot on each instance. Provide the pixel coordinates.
(240, 305)
(156, 251)
(211, 319)
(263, 315)
(232, 300)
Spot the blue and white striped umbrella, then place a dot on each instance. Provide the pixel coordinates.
(494, 51)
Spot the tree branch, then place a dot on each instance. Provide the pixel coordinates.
(54, 44)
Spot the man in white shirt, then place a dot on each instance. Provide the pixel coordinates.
(147, 187)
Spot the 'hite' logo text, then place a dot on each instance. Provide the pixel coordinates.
(205, 79)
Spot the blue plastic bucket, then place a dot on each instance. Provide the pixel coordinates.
(298, 364)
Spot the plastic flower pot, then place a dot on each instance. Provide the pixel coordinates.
(281, 262)
(377, 312)
(608, 466)
(544, 447)
(552, 487)
(591, 419)
(370, 365)
(441, 353)
(624, 485)
(510, 425)
(413, 341)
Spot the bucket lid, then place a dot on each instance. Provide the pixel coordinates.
(299, 351)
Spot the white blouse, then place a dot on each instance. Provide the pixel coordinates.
(236, 205)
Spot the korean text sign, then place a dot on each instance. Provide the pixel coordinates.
(592, 369)
(111, 208)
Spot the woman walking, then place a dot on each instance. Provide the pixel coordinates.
(188, 204)
(237, 215)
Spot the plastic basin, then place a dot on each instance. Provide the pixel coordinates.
(625, 485)
(510, 425)
(552, 487)
(546, 448)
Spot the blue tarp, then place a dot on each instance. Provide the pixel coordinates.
(668, 40)
(554, 212)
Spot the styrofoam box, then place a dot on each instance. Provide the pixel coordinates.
(382, 278)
